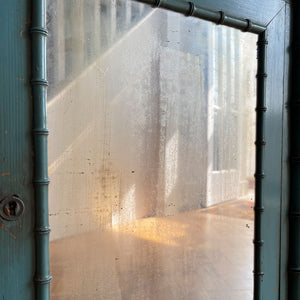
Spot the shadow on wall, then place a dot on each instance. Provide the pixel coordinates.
(129, 133)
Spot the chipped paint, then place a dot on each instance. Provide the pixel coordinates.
(12, 235)
(8, 231)
(15, 150)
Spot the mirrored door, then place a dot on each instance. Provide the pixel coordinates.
(151, 154)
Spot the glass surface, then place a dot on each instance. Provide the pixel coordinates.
(151, 154)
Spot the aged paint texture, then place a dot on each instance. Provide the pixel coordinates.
(16, 237)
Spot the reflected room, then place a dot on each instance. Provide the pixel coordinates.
(151, 154)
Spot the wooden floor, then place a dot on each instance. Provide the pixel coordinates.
(203, 254)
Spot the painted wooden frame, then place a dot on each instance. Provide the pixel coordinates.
(271, 21)
(270, 18)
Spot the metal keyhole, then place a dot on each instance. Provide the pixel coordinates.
(11, 208)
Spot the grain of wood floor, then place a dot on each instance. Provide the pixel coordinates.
(202, 254)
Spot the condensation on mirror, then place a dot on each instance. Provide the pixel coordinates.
(151, 154)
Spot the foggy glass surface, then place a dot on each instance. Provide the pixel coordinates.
(151, 153)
